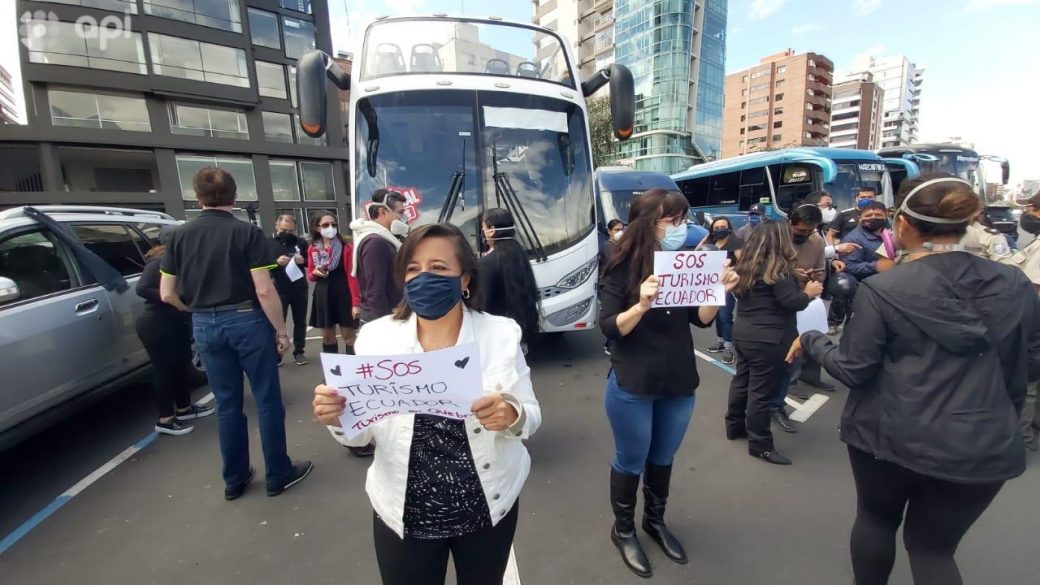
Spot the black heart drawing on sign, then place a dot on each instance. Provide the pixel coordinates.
(461, 364)
(336, 371)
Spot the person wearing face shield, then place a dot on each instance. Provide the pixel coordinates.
(937, 358)
(376, 241)
(1028, 259)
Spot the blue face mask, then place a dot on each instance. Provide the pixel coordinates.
(863, 203)
(431, 295)
(754, 219)
(674, 238)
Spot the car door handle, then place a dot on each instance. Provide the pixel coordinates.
(87, 307)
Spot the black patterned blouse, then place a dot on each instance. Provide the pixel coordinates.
(444, 497)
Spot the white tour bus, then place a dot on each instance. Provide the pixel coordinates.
(463, 114)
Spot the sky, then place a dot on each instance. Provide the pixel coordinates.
(981, 59)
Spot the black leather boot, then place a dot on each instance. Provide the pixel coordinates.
(623, 490)
(656, 479)
(330, 347)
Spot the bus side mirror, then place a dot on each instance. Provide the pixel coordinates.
(1005, 170)
(311, 73)
(622, 101)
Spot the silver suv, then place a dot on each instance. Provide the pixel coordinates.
(63, 336)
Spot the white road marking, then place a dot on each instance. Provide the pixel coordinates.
(512, 576)
(803, 410)
(109, 466)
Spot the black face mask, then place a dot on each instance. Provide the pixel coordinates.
(873, 225)
(720, 233)
(1030, 224)
(285, 237)
(799, 239)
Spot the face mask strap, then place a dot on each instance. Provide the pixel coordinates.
(905, 207)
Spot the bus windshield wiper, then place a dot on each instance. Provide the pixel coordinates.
(372, 148)
(456, 187)
(506, 197)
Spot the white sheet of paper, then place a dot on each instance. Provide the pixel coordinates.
(690, 279)
(813, 317)
(443, 383)
(292, 270)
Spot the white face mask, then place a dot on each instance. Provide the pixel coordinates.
(329, 232)
(399, 228)
(829, 214)
(617, 236)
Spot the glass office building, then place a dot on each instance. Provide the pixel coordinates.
(676, 51)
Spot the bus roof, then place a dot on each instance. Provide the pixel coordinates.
(626, 179)
(924, 148)
(821, 157)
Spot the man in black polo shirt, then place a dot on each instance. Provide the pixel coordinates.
(218, 267)
(848, 219)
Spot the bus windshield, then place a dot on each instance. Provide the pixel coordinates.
(851, 176)
(441, 45)
(455, 153)
(959, 165)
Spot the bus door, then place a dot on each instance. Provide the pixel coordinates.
(792, 182)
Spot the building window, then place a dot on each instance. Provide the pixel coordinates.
(196, 121)
(299, 37)
(743, 105)
(302, 138)
(316, 178)
(124, 6)
(222, 14)
(263, 26)
(759, 87)
(760, 114)
(778, 111)
(240, 168)
(744, 79)
(742, 118)
(778, 124)
(188, 59)
(812, 63)
(780, 82)
(758, 74)
(22, 170)
(743, 92)
(761, 100)
(292, 85)
(756, 128)
(98, 110)
(297, 5)
(741, 130)
(756, 141)
(779, 97)
(270, 77)
(278, 127)
(108, 170)
(284, 181)
(59, 43)
(777, 137)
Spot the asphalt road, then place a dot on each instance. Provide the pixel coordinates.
(160, 517)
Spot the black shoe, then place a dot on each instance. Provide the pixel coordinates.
(366, 451)
(772, 457)
(174, 428)
(300, 359)
(820, 384)
(235, 492)
(623, 490)
(734, 435)
(195, 411)
(656, 480)
(1030, 442)
(781, 418)
(717, 348)
(728, 358)
(296, 475)
(798, 391)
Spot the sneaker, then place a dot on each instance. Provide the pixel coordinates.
(173, 428)
(195, 411)
(297, 474)
(716, 348)
(606, 350)
(366, 451)
(781, 418)
(728, 358)
(833, 330)
(235, 492)
(300, 359)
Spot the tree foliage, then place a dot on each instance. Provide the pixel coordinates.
(605, 149)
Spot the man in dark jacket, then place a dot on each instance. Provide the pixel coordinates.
(862, 262)
(375, 246)
(287, 247)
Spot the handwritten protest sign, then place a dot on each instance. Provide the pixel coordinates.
(444, 383)
(690, 279)
(813, 318)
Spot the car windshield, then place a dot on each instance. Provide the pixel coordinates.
(455, 153)
(441, 45)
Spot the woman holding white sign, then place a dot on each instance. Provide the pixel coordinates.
(768, 301)
(650, 389)
(443, 486)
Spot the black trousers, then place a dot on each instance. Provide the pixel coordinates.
(938, 514)
(296, 298)
(760, 372)
(480, 557)
(167, 339)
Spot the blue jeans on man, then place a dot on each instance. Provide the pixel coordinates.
(233, 342)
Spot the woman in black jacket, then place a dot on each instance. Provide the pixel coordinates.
(722, 237)
(165, 333)
(768, 301)
(506, 276)
(650, 388)
(937, 358)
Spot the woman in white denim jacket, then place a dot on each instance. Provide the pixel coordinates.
(439, 485)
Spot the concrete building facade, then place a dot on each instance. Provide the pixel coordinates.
(8, 105)
(783, 101)
(901, 80)
(128, 121)
(857, 108)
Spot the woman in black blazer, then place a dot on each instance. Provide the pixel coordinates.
(768, 301)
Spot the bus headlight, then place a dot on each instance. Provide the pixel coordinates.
(579, 276)
(569, 315)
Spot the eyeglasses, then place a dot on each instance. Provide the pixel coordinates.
(327, 225)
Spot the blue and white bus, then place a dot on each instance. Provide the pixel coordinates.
(616, 187)
(465, 114)
(779, 179)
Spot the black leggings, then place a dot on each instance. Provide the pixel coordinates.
(296, 299)
(938, 514)
(480, 557)
(166, 337)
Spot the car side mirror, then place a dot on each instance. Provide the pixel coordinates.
(8, 290)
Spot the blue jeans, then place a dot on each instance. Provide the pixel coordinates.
(233, 342)
(646, 428)
(724, 321)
